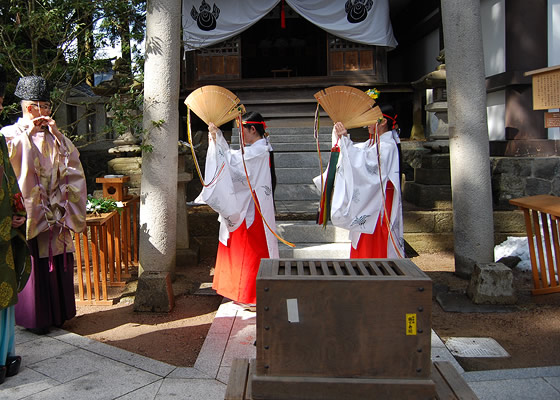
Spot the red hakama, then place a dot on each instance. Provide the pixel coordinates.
(374, 245)
(237, 264)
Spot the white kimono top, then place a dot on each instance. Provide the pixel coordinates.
(229, 194)
(357, 198)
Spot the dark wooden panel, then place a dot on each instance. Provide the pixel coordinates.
(337, 61)
(291, 387)
(232, 65)
(352, 339)
(455, 381)
(203, 66)
(351, 61)
(445, 384)
(366, 60)
(237, 381)
(217, 63)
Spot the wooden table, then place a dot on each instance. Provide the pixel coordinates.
(541, 215)
(286, 71)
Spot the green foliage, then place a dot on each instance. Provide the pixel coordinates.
(39, 38)
(125, 110)
(58, 39)
(102, 205)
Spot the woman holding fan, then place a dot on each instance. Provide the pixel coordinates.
(372, 173)
(361, 187)
(241, 191)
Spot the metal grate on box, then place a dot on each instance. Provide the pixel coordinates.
(341, 268)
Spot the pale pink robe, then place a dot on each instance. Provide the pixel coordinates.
(52, 181)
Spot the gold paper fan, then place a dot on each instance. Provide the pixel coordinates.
(214, 104)
(349, 105)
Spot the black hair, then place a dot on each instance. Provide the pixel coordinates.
(387, 109)
(253, 116)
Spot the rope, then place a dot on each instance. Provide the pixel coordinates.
(385, 217)
(189, 136)
(242, 146)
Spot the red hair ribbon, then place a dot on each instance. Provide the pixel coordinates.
(392, 119)
(255, 122)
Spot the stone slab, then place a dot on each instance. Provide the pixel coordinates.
(475, 347)
(522, 389)
(459, 302)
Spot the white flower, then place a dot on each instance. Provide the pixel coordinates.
(119, 204)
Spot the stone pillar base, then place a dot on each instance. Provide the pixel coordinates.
(154, 292)
(187, 257)
(491, 283)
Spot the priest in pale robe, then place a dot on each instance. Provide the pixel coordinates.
(52, 181)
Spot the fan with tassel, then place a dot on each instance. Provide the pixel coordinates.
(212, 104)
(215, 104)
(353, 108)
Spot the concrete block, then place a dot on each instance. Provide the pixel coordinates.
(443, 222)
(431, 160)
(491, 283)
(154, 292)
(428, 196)
(432, 176)
(418, 222)
(509, 222)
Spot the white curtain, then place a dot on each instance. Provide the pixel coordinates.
(363, 21)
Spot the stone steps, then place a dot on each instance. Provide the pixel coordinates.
(299, 160)
(425, 231)
(296, 192)
(306, 148)
(428, 196)
(297, 175)
(276, 139)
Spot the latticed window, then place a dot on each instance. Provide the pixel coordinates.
(347, 57)
(227, 47)
(220, 61)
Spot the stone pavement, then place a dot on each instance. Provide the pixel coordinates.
(63, 365)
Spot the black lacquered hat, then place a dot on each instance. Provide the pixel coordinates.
(32, 88)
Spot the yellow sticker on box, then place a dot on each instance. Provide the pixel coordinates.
(410, 324)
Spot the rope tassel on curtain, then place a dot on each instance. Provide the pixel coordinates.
(283, 16)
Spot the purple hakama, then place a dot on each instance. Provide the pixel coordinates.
(48, 298)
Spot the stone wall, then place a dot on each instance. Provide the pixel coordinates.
(514, 177)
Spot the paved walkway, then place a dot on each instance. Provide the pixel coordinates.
(63, 365)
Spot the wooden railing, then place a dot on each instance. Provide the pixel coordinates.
(106, 253)
(542, 213)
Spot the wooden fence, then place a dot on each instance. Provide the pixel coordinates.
(107, 253)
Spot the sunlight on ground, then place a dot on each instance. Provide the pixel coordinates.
(441, 261)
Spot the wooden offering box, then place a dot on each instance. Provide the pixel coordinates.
(113, 188)
(352, 329)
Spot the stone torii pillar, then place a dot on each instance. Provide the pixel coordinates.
(158, 196)
(468, 135)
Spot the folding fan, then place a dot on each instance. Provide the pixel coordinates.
(214, 104)
(351, 106)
